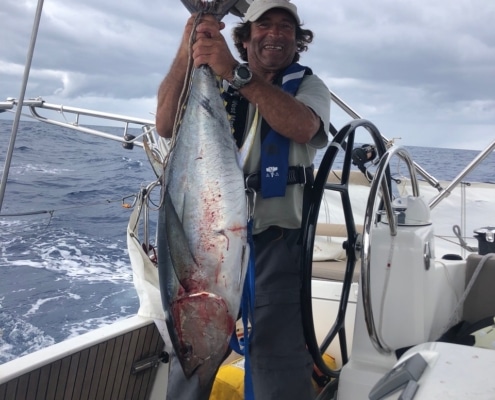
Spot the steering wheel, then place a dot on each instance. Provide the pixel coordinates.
(371, 215)
(343, 140)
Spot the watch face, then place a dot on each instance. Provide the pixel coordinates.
(242, 76)
(243, 72)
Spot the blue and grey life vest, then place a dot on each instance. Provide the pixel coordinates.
(274, 147)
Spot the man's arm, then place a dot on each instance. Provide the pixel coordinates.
(171, 87)
(284, 113)
(168, 96)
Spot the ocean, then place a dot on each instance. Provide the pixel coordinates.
(64, 266)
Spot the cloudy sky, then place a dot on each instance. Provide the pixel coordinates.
(421, 70)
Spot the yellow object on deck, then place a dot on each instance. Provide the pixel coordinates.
(229, 382)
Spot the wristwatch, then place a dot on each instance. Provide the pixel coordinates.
(242, 76)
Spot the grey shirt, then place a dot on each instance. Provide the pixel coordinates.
(286, 212)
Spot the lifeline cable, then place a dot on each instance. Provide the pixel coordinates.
(52, 211)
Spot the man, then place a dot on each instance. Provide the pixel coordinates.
(295, 114)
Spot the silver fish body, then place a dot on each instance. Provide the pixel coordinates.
(202, 243)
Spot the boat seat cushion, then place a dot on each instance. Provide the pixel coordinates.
(480, 302)
(333, 270)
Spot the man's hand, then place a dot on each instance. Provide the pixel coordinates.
(210, 48)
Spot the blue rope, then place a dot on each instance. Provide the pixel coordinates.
(247, 312)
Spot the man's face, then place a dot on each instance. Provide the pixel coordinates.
(272, 44)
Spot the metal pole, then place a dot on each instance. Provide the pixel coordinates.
(341, 103)
(472, 165)
(18, 111)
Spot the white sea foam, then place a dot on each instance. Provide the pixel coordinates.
(38, 169)
(36, 306)
(69, 253)
(90, 324)
(18, 338)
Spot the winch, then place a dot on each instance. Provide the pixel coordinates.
(486, 239)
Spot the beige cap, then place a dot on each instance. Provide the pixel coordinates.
(259, 7)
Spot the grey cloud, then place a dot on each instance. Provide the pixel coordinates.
(418, 65)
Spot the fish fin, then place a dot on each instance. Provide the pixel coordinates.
(180, 253)
(219, 8)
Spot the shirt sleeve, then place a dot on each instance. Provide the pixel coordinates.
(314, 93)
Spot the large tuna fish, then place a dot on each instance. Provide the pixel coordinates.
(202, 243)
